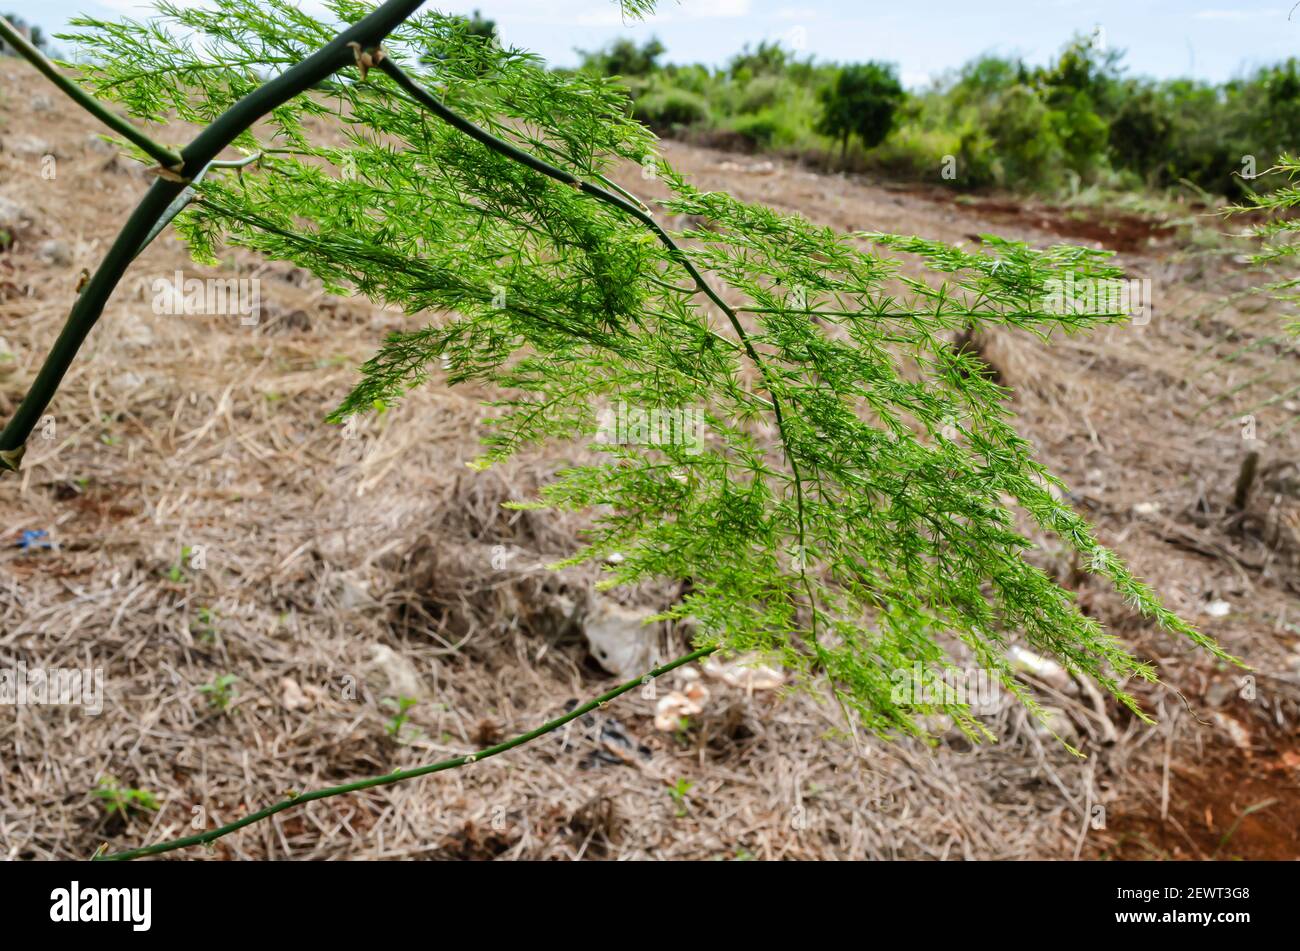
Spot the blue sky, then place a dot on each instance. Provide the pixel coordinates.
(1208, 39)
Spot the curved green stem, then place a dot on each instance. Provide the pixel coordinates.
(335, 55)
(181, 201)
(502, 147)
(398, 776)
(166, 157)
(85, 313)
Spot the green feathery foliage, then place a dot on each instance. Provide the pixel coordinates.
(852, 510)
(1279, 230)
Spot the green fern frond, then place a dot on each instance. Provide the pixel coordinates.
(851, 508)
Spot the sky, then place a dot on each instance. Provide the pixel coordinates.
(1205, 39)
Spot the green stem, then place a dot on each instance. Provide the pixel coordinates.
(502, 147)
(165, 156)
(85, 312)
(195, 157)
(181, 201)
(398, 776)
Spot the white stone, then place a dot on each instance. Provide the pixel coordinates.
(619, 638)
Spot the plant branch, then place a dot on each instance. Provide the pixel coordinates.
(166, 157)
(398, 776)
(196, 157)
(182, 201)
(502, 147)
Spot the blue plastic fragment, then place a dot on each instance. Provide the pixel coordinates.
(35, 538)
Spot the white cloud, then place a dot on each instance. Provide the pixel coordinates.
(611, 15)
(716, 9)
(138, 9)
(1238, 14)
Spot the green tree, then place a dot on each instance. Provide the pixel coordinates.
(1141, 133)
(1206, 143)
(871, 515)
(1077, 89)
(478, 25)
(1279, 230)
(988, 76)
(624, 57)
(766, 59)
(38, 37)
(862, 101)
(1027, 151)
(1262, 114)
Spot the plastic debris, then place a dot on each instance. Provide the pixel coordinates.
(1036, 665)
(34, 538)
(619, 638)
(744, 672)
(1218, 609)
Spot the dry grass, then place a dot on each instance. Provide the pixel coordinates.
(343, 571)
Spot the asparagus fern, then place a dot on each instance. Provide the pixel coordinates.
(1278, 229)
(853, 509)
